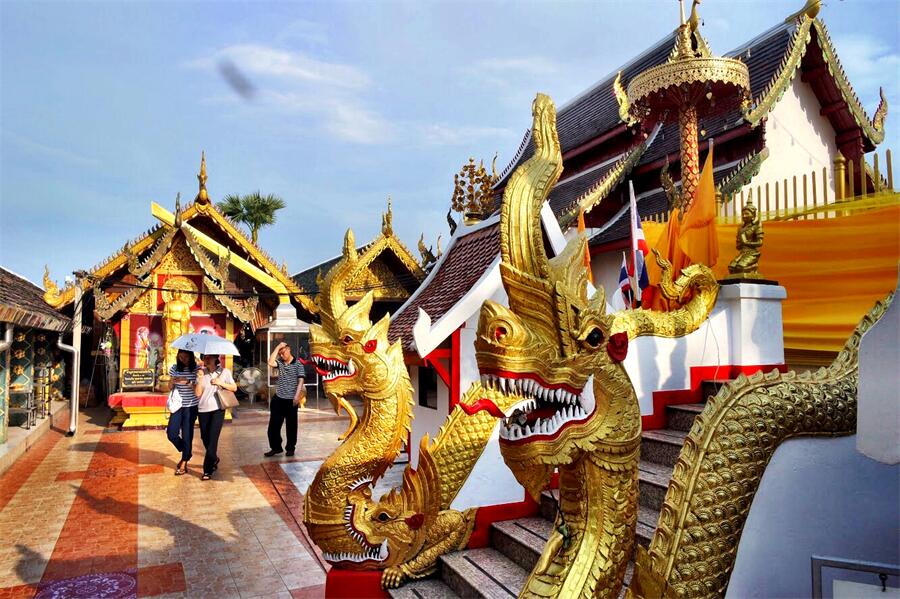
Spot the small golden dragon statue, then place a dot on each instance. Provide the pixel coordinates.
(559, 355)
(406, 530)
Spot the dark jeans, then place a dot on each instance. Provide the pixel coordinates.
(210, 427)
(181, 430)
(281, 410)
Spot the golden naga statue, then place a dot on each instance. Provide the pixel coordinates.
(721, 465)
(176, 322)
(557, 355)
(749, 245)
(406, 530)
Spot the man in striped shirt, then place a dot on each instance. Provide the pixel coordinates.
(283, 407)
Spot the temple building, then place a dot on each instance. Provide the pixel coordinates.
(800, 139)
(193, 271)
(384, 265)
(33, 367)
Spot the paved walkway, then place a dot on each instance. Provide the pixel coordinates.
(101, 515)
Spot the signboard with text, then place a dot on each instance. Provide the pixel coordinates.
(134, 379)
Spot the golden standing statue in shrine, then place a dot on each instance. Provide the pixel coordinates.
(176, 322)
(749, 245)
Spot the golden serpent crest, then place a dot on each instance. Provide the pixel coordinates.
(557, 355)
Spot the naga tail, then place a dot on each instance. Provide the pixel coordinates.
(724, 456)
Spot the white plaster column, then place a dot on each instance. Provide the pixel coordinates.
(878, 412)
(756, 333)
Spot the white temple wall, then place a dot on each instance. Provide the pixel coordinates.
(426, 420)
(800, 140)
(818, 497)
(491, 481)
(744, 329)
(605, 269)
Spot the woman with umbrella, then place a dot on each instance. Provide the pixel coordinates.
(180, 430)
(211, 378)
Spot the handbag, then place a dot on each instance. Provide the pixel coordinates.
(173, 403)
(226, 399)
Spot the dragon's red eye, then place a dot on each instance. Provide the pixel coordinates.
(371, 345)
(347, 339)
(499, 333)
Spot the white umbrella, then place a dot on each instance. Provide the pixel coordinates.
(206, 344)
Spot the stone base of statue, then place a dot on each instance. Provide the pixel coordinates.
(752, 278)
(754, 311)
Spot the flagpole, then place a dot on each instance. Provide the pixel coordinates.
(635, 282)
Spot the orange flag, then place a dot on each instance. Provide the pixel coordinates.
(587, 249)
(698, 238)
(668, 248)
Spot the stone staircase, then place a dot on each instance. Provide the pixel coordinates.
(500, 570)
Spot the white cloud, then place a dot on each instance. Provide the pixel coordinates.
(257, 61)
(50, 152)
(449, 135)
(330, 95)
(528, 66)
(869, 64)
(305, 31)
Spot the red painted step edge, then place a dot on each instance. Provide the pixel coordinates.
(675, 397)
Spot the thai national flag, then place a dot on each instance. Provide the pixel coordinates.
(639, 248)
(625, 285)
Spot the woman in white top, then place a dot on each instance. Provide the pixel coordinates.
(210, 378)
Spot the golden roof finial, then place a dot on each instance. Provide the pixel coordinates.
(202, 196)
(387, 220)
(178, 210)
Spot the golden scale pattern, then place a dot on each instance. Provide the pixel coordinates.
(724, 456)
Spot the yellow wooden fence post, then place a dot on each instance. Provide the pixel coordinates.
(840, 177)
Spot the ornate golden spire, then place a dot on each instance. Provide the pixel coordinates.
(178, 210)
(202, 196)
(387, 220)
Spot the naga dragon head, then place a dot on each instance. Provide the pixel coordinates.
(392, 529)
(555, 347)
(352, 355)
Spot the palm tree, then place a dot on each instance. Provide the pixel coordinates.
(254, 210)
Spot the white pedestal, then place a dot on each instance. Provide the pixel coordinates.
(755, 331)
(878, 416)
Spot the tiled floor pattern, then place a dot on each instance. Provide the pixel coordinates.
(105, 503)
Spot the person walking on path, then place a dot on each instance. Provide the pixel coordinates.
(283, 406)
(180, 430)
(210, 378)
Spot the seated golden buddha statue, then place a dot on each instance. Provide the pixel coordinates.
(749, 245)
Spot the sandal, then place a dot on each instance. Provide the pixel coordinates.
(206, 476)
(181, 468)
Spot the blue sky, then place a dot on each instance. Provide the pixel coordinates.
(105, 107)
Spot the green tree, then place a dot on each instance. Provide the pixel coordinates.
(254, 210)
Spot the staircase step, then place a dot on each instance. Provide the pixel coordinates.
(710, 387)
(681, 418)
(427, 588)
(646, 525)
(654, 480)
(521, 540)
(662, 446)
(482, 574)
(548, 504)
